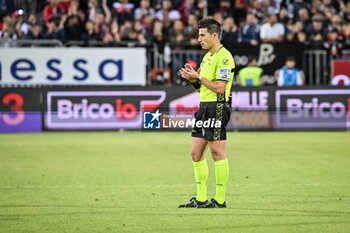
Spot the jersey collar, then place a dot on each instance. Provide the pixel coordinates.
(217, 50)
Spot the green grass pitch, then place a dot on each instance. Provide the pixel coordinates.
(134, 181)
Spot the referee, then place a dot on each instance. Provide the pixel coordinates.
(213, 82)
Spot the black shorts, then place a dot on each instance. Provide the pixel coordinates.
(212, 112)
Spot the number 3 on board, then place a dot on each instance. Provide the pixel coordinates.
(15, 102)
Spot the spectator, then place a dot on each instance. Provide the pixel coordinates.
(335, 16)
(264, 6)
(144, 10)
(115, 31)
(289, 75)
(201, 6)
(97, 15)
(285, 21)
(335, 42)
(160, 35)
(1, 23)
(188, 8)
(346, 32)
(147, 23)
(230, 32)
(101, 24)
(133, 32)
(255, 8)
(55, 8)
(301, 37)
(140, 34)
(250, 75)
(240, 9)
(294, 7)
(328, 5)
(272, 31)
(304, 17)
(316, 6)
(50, 10)
(157, 5)
(90, 33)
(345, 10)
(123, 10)
(33, 19)
(108, 37)
(8, 29)
(284, 16)
(250, 31)
(167, 14)
(191, 29)
(274, 6)
(74, 9)
(55, 30)
(35, 33)
(73, 28)
(218, 17)
(126, 31)
(316, 33)
(178, 36)
(21, 26)
(336, 23)
(225, 8)
(296, 32)
(328, 13)
(101, 17)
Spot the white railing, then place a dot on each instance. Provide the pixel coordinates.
(30, 43)
(316, 65)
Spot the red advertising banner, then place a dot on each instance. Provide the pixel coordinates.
(340, 73)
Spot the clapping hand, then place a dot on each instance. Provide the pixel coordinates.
(188, 72)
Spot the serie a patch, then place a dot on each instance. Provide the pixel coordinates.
(224, 73)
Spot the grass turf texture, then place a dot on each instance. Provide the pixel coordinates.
(134, 181)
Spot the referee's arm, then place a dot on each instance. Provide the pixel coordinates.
(217, 86)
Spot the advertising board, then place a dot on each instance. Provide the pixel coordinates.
(73, 66)
(20, 110)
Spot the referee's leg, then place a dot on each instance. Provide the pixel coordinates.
(218, 151)
(200, 167)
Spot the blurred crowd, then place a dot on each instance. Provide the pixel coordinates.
(315, 22)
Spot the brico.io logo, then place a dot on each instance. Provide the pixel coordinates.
(298, 108)
(100, 109)
(67, 109)
(313, 108)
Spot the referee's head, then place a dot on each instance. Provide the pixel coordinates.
(209, 32)
(211, 24)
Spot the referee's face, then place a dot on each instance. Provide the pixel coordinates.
(205, 39)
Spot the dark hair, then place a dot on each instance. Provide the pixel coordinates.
(252, 58)
(211, 24)
(290, 58)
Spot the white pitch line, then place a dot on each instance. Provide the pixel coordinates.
(151, 186)
(88, 186)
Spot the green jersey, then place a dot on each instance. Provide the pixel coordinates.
(217, 67)
(250, 76)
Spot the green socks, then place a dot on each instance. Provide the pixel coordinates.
(201, 175)
(221, 174)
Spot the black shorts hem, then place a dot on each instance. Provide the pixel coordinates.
(214, 110)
